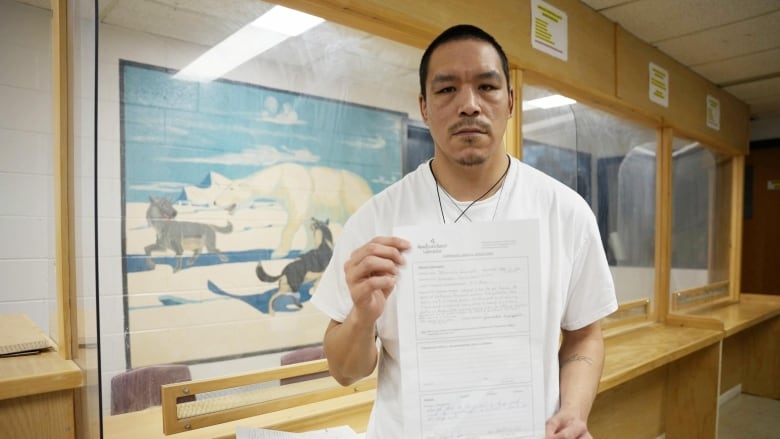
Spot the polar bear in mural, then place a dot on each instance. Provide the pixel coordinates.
(304, 192)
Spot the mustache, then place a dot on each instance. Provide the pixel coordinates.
(469, 123)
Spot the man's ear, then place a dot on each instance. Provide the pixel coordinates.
(423, 108)
(511, 101)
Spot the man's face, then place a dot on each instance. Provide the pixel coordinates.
(467, 104)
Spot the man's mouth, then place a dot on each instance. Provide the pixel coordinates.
(469, 131)
(471, 127)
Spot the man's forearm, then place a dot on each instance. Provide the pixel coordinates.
(581, 361)
(350, 347)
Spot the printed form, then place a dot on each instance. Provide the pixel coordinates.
(470, 331)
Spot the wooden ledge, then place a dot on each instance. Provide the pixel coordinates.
(638, 351)
(734, 317)
(241, 402)
(38, 373)
(352, 410)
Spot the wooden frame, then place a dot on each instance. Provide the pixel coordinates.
(663, 227)
(63, 179)
(513, 139)
(701, 296)
(737, 205)
(636, 311)
(179, 417)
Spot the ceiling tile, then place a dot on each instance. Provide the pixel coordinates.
(752, 91)
(43, 4)
(165, 20)
(733, 70)
(239, 11)
(598, 5)
(658, 20)
(748, 36)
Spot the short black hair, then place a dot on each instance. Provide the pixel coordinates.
(457, 33)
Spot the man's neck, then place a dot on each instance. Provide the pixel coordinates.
(470, 182)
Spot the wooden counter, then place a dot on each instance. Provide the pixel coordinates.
(36, 396)
(751, 351)
(35, 374)
(659, 379)
(352, 410)
(641, 350)
(675, 361)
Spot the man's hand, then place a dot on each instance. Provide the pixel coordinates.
(566, 426)
(371, 274)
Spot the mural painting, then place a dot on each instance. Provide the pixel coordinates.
(233, 196)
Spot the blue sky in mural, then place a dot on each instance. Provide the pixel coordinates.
(176, 132)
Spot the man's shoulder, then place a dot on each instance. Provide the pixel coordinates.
(538, 184)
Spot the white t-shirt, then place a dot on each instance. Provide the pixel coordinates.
(575, 277)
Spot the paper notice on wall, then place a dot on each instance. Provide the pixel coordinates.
(713, 112)
(659, 85)
(773, 185)
(549, 29)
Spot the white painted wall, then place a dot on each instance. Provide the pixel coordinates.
(26, 170)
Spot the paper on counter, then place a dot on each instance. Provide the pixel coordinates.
(342, 432)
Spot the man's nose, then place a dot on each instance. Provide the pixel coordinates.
(469, 102)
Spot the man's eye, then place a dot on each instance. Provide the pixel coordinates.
(446, 90)
(488, 87)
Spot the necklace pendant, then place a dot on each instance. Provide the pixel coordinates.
(500, 180)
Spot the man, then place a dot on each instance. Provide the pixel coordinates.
(466, 100)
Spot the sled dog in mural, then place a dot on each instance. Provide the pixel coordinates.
(309, 266)
(178, 236)
(303, 192)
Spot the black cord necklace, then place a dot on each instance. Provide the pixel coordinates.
(463, 212)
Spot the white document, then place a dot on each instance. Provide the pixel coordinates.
(470, 331)
(343, 432)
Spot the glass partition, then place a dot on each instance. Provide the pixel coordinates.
(701, 223)
(212, 182)
(611, 163)
(84, 310)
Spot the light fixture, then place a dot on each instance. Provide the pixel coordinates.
(548, 102)
(268, 30)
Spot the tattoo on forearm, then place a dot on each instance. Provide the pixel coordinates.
(577, 357)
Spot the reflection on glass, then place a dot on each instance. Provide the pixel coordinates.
(610, 162)
(200, 156)
(701, 197)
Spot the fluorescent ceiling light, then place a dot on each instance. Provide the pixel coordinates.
(548, 102)
(270, 29)
(286, 21)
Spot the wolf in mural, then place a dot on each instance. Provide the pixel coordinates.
(306, 267)
(178, 236)
(303, 192)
